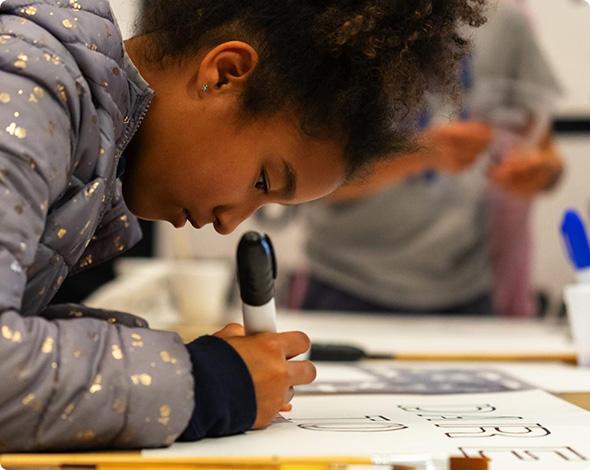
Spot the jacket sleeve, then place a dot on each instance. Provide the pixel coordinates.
(80, 382)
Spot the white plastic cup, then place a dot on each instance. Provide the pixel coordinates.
(577, 298)
(200, 289)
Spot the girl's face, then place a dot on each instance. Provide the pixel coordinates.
(193, 160)
(210, 169)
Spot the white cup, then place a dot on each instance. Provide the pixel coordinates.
(200, 289)
(577, 298)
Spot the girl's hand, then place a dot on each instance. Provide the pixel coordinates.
(267, 357)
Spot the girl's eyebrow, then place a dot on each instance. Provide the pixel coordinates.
(291, 181)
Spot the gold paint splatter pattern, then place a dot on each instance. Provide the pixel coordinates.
(67, 24)
(21, 61)
(52, 58)
(116, 352)
(89, 191)
(14, 336)
(16, 131)
(68, 410)
(119, 245)
(136, 340)
(38, 93)
(86, 261)
(142, 379)
(164, 418)
(86, 436)
(31, 402)
(4, 98)
(96, 385)
(30, 10)
(167, 357)
(61, 91)
(47, 346)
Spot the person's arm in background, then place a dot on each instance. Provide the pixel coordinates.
(451, 148)
(513, 74)
(527, 172)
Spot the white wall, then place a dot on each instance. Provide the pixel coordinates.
(564, 30)
(551, 268)
(125, 11)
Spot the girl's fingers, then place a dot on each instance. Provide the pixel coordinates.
(294, 343)
(301, 372)
(231, 330)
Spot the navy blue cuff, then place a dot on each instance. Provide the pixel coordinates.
(225, 400)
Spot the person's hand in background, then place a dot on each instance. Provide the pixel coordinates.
(528, 171)
(456, 146)
(266, 356)
(450, 148)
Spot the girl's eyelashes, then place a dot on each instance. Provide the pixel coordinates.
(262, 182)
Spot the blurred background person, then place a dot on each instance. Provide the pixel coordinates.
(445, 230)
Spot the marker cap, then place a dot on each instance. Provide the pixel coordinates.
(576, 239)
(257, 269)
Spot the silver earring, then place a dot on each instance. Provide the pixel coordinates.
(205, 88)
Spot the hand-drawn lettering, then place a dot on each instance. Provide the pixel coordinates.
(448, 409)
(468, 431)
(526, 454)
(364, 424)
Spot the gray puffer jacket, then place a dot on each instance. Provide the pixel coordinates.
(73, 377)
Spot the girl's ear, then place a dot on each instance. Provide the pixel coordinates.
(227, 67)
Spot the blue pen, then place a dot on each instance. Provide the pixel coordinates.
(576, 241)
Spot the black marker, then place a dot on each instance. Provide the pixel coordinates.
(257, 271)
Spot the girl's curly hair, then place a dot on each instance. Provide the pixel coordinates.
(352, 69)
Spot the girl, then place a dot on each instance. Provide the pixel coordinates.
(215, 109)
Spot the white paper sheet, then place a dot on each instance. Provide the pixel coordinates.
(380, 334)
(517, 430)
